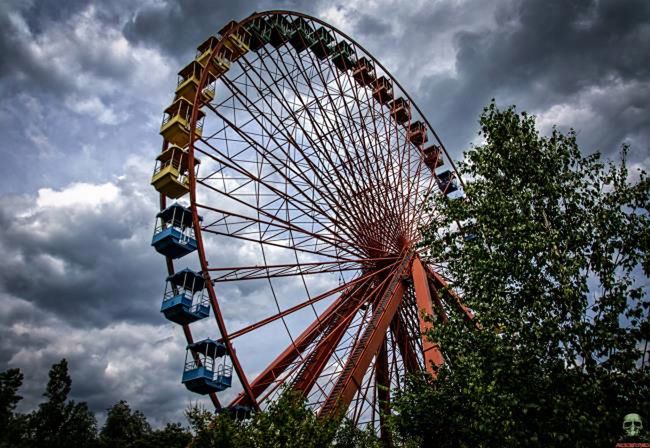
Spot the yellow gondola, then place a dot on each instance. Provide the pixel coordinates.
(171, 175)
(239, 41)
(220, 63)
(175, 127)
(188, 83)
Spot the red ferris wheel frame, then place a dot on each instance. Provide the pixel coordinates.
(387, 278)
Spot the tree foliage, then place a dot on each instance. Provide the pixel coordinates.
(287, 423)
(124, 427)
(549, 249)
(172, 435)
(10, 423)
(59, 422)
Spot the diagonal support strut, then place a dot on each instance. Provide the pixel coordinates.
(368, 344)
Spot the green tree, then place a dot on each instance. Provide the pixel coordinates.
(11, 424)
(549, 249)
(289, 423)
(60, 422)
(286, 423)
(220, 430)
(348, 435)
(124, 427)
(172, 435)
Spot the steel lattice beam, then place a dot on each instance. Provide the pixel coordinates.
(432, 355)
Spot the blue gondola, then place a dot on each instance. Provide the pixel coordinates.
(184, 300)
(469, 237)
(174, 235)
(237, 411)
(202, 375)
(447, 182)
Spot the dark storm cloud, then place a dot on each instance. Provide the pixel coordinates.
(17, 60)
(542, 54)
(91, 265)
(178, 27)
(373, 25)
(26, 31)
(66, 83)
(102, 361)
(40, 15)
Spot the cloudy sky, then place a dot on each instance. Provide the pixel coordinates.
(82, 87)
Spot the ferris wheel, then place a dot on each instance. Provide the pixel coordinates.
(294, 174)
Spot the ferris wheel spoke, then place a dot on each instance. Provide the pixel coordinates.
(361, 199)
(222, 158)
(363, 401)
(356, 283)
(276, 225)
(391, 194)
(404, 344)
(279, 239)
(275, 370)
(409, 163)
(274, 244)
(316, 361)
(360, 357)
(323, 369)
(330, 331)
(358, 129)
(280, 122)
(315, 207)
(320, 136)
(398, 367)
(314, 364)
(410, 318)
(323, 358)
(323, 363)
(350, 164)
(422, 190)
(320, 175)
(382, 379)
(255, 177)
(369, 107)
(423, 204)
(277, 193)
(289, 270)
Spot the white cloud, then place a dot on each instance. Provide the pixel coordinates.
(78, 194)
(425, 29)
(95, 107)
(591, 112)
(570, 114)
